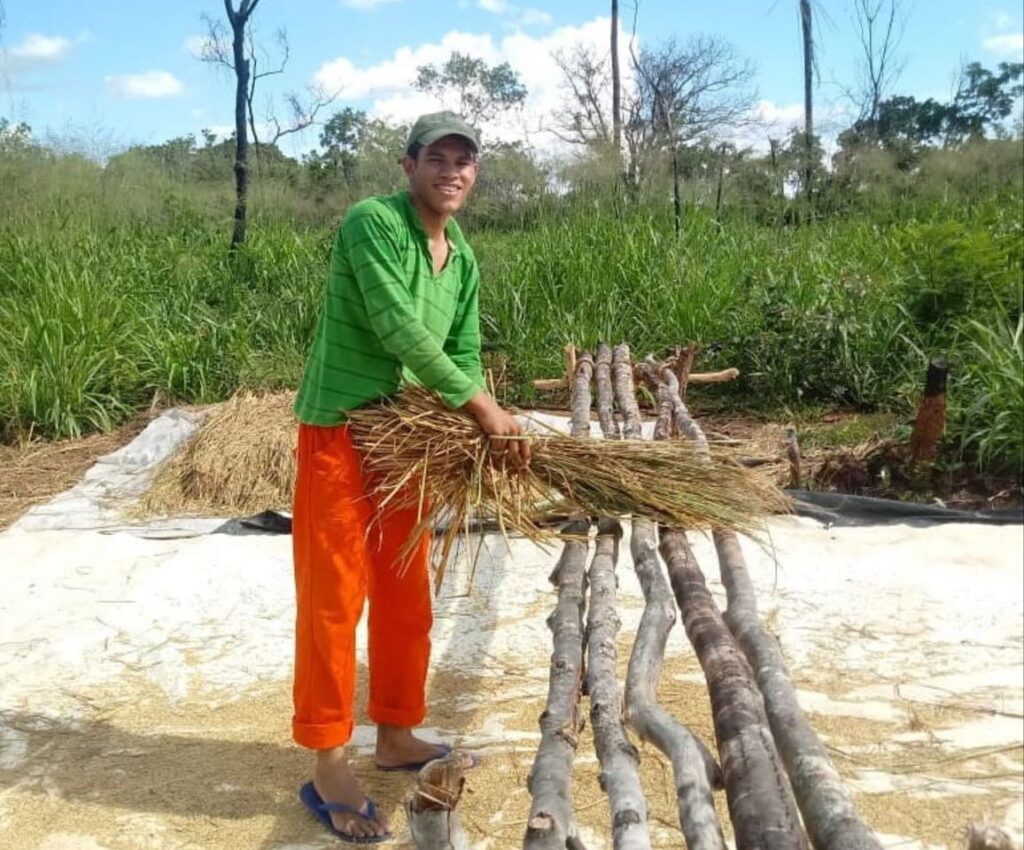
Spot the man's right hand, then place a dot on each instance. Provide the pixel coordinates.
(500, 425)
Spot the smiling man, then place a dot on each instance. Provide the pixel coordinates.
(400, 307)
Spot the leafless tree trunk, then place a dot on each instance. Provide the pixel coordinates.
(550, 783)
(879, 32)
(828, 811)
(239, 20)
(616, 85)
(808, 34)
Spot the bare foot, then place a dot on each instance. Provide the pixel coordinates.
(335, 783)
(397, 746)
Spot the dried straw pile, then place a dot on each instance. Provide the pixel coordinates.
(241, 461)
(420, 453)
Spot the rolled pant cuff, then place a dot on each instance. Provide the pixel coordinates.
(405, 717)
(322, 736)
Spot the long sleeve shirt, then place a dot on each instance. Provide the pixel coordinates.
(388, 319)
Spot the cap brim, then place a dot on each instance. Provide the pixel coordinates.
(432, 136)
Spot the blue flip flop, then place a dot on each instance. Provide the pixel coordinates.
(312, 800)
(443, 750)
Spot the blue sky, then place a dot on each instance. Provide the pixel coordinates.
(123, 71)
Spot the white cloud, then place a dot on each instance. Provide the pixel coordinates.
(495, 7)
(146, 85)
(1009, 45)
(388, 85)
(41, 48)
(366, 5)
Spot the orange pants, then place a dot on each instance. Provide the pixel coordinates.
(346, 549)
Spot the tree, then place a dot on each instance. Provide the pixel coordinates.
(686, 92)
(340, 138)
(879, 30)
(481, 91)
(808, 39)
(616, 82)
(242, 58)
(984, 100)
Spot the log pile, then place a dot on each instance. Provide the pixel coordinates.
(782, 791)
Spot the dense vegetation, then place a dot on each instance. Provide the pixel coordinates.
(116, 285)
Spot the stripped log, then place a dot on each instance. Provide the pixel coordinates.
(825, 803)
(761, 806)
(433, 820)
(694, 769)
(620, 778)
(550, 781)
(550, 824)
(625, 392)
(828, 811)
(605, 394)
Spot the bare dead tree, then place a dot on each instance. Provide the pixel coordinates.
(808, 39)
(878, 28)
(583, 118)
(616, 82)
(239, 53)
(689, 91)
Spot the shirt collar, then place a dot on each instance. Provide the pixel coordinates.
(416, 225)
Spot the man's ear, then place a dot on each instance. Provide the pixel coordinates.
(408, 165)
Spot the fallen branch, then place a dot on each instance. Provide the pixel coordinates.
(625, 392)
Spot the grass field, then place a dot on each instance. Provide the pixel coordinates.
(113, 293)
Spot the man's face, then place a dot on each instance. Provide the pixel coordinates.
(442, 174)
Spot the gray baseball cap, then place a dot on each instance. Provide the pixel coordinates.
(436, 125)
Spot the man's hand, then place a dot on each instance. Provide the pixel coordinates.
(499, 425)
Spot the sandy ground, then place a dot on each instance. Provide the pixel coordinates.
(144, 684)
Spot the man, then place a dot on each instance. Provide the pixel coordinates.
(401, 306)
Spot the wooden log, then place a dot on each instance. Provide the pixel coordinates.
(605, 393)
(620, 778)
(550, 824)
(721, 377)
(760, 802)
(550, 781)
(826, 805)
(433, 820)
(827, 809)
(796, 476)
(625, 392)
(583, 372)
(694, 769)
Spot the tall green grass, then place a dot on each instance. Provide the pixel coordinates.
(113, 292)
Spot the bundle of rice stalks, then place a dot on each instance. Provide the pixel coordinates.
(417, 452)
(241, 461)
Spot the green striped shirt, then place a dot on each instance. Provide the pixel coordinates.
(388, 319)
